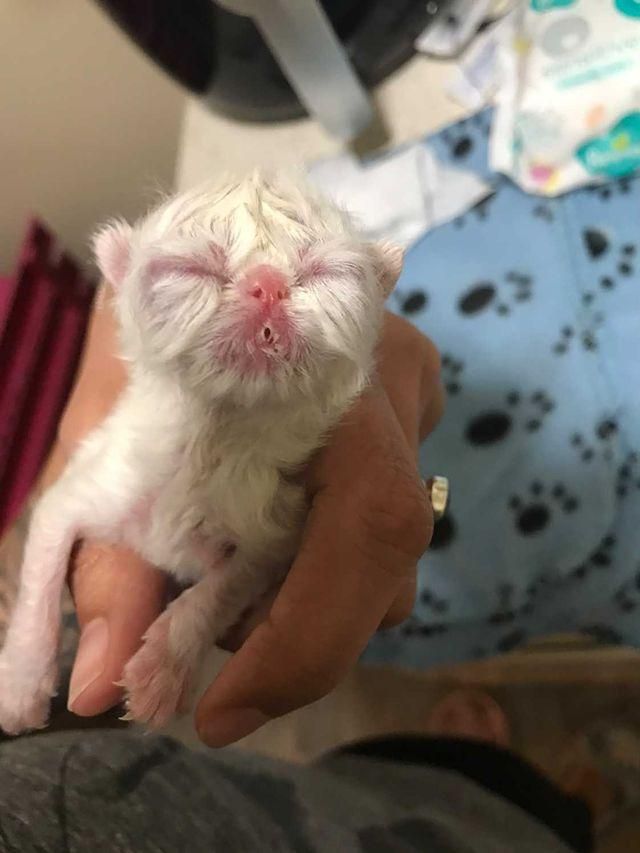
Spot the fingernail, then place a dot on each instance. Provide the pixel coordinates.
(231, 724)
(90, 658)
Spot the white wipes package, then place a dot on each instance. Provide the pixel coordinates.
(568, 101)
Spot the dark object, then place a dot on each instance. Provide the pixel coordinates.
(223, 57)
(498, 770)
(595, 241)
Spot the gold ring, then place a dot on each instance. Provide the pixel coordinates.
(438, 489)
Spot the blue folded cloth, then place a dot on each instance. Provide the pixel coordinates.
(535, 306)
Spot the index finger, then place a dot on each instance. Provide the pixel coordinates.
(369, 523)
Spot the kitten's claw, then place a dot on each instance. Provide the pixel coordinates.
(156, 684)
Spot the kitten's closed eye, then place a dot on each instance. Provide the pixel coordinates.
(204, 265)
(312, 268)
(327, 261)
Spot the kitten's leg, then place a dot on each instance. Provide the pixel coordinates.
(159, 678)
(29, 657)
(28, 660)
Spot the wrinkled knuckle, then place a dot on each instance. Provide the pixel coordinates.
(397, 515)
(416, 522)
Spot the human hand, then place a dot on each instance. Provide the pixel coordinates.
(369, 522)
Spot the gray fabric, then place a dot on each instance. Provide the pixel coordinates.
(122, 792)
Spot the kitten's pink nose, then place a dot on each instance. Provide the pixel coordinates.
(266, 283)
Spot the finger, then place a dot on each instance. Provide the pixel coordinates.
(369, 522)
(433, 412)
(117, 596)
(409, 371)
(402, 606)
(400, 610)
(410, 375)
(235, 637)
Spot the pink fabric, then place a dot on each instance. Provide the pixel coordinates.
(44, 310)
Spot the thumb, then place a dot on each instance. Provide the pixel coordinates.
(117, 596)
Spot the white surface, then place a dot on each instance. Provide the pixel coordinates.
(412, 102)
(432, 192)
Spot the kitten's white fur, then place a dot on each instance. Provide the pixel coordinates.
(198, 466)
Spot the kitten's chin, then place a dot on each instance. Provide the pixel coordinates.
(249, 385)
(308, 373)
(270, 355)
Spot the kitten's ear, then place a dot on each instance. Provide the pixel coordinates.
(388, 261)
(112, 247)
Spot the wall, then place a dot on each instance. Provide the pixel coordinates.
(88, 126)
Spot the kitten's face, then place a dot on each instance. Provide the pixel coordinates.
(248, 288)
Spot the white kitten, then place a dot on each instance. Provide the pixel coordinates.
(249, 313)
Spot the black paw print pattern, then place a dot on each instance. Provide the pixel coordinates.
(495, 425)
(479, 212)
(596, 242)
(511, 640)
(601, 559)
(485, 295)
(602, 634)
(625, 264)
(412, 301)
(627, 597)
(629, 475)
(505, 612)
(415, 627)
(452, 370)
(459, 142)
(545, 212)
(601, 443)
(607, 191)
(606, 283)
(433, 602)
(540, 588)
(587, 338)
(598, 245)
(533, 513)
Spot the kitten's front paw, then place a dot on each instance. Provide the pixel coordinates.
(156, 684)
(24, 699)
